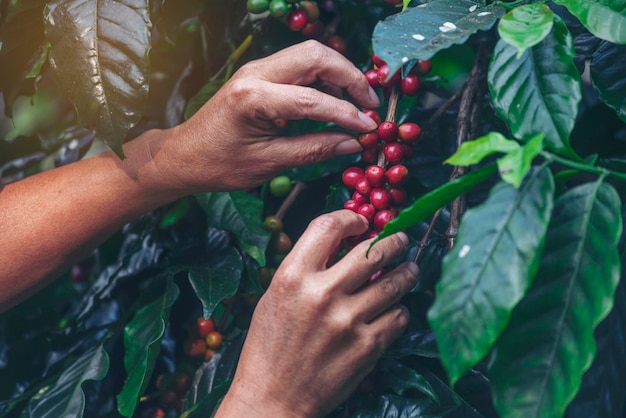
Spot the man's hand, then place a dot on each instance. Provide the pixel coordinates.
(320, 327)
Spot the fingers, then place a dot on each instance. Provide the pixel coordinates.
(318, 243)
(388, 327)
(311, 61)
(375, 298)
(356, 268)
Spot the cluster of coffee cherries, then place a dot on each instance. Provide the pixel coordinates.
(380, 77)
(203, 339)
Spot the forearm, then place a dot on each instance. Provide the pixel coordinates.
(51, 220)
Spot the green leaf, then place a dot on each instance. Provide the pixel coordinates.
(473, 152)
(201, 97)
(526, 26)
(217, 281)
(420, 32)
(539, 92)
(142, 341)
(66, 398)
(607, 76)
(99, 53)
(549, 342)
(401, 378)
(489, 269)
(604, 18)
(514, 166)
(241, 214)
(427, 205)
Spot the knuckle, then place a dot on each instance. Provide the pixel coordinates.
(241, 91)
(389, 288)
(316, 51)
(376, 255)
(341, 322)
(307, 100)
(326, 223)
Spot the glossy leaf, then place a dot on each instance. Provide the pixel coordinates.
(473, 152)
(540, 91)
(514, 166)
(525, 26)
(549, 342)
(489, 269)
(401, 378)
(428, 204)
(419, 343)
(608, 67)
(66, 398)
(241, 214)
(604, 18)
(99, 53)
(199, 99)
(142, 342)
(217, 280)
(391, 406)
(420, 32)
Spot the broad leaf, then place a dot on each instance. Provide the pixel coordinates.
(99, 52)
(420, 32)
(391, 406)
(540, 91)
(473, 152)
(199, 99)
(608, 67)
(604, 18)
(514, 166)
(217, 280)
(241, 214)
(489, 269)
(549, 342)
(526, 26)
(66, 398)
(428, 204)
(142, 341)
(401, 378)
(419, 343)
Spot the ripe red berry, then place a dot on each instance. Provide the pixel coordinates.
(382, 218)
(368, 211)
(297, 20)
(409, 132)
(372, 234)
(385, 78)
(194, 348)
(208, 354)
(373, 114)
(372, 78)
(363, 186)
(351, 176)
(394, 152)
(375, 175)
(379, 198)
(351, 205)
(422, 67)
(360, 198)
(397, 196)
(337, 43)
(311, 9)
(214, 340)
(378, 62)
(388, 131)
(370, 155)
(410, 85)
(368, 139)
(397, 175)
(205, 326)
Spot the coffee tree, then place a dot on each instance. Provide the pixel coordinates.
(505, 164)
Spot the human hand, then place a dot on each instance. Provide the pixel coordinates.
(233, 141)
(319, 329)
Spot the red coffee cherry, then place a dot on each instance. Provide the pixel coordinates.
(182, 381)
(370, 155)
(368, 211)
(372, 78)
(373, 114)
(397, 175)
(214, 340)
(385, 78)
(312, 30)
(394, 152)
(378, 62)
(379, 198)
(194, 348)
(351, 205)
(409, 132)
(375, 175)
(363, 186)
(388, 131)
(372, 234)
(410, 85)
(281, 243)
(397, 196)
(382, 218)
(337, 43)
(422, 67)
(368, 139)
(360, 198)
(297, 20)
(311, 9)
(208, 354)
(351, 176)
(205, 326)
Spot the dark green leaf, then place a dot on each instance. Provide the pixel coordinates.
(217, 280)
(142, 341)
(241, 214)
(99, 52)
(420, 32)
(206, 92)
(604, 18)
(514, 166)
(473, 152)
(401, 378)
(66, 398)
(489, 269)
(540, 91)
(391, 406)
(207, 404)
(525, 26)
(549, 342)
(414, 344)
(608, 67)
(428, 204)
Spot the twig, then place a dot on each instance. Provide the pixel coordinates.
(291, 197)
(394, 98)
(424, 242)
(443, 108)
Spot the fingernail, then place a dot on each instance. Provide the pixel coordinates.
(374, 97)
(403, 237)
(348, 147)
(414, 268)
(369, 123)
